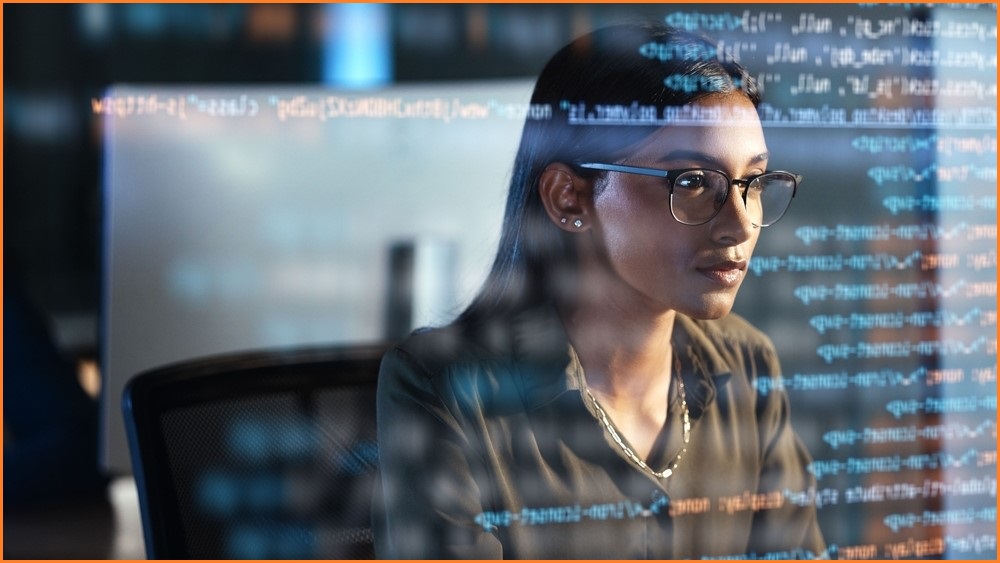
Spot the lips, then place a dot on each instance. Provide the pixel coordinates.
(726, 272)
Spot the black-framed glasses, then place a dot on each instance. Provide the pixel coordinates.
(698, 194)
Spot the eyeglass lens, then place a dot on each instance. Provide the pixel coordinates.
(698, 195)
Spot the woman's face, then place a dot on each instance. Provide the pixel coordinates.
(655, 262)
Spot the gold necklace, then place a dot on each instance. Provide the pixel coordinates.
(603, 417)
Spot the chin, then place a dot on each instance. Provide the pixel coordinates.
(711, 315)
(712, 308)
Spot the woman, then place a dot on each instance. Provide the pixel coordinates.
(597, 399)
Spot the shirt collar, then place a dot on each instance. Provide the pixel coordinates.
(548, 367)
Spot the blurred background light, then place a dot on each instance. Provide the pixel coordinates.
(357, 48)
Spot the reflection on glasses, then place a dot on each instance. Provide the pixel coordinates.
(698, 194)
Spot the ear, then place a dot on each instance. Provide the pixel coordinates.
(566, 197)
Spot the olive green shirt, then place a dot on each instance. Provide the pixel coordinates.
(489, 449)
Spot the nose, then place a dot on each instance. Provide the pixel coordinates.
(733, 224)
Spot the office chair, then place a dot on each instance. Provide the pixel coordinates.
(264, 455)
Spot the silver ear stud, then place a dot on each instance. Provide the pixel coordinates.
(563, 220)
(578, 223)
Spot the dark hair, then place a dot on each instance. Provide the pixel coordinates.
(622, 68)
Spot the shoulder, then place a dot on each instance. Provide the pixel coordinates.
(532, 337)
(494, 367)
(449, 366)
(432, 351)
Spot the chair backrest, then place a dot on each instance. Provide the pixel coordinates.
(265, 455)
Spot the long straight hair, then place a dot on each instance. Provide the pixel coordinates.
(614, 70)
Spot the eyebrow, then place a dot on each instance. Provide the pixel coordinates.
(683, 154)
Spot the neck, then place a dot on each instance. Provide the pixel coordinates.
(627, 356)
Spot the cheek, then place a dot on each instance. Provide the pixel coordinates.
(628, 225)
(642, 241)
